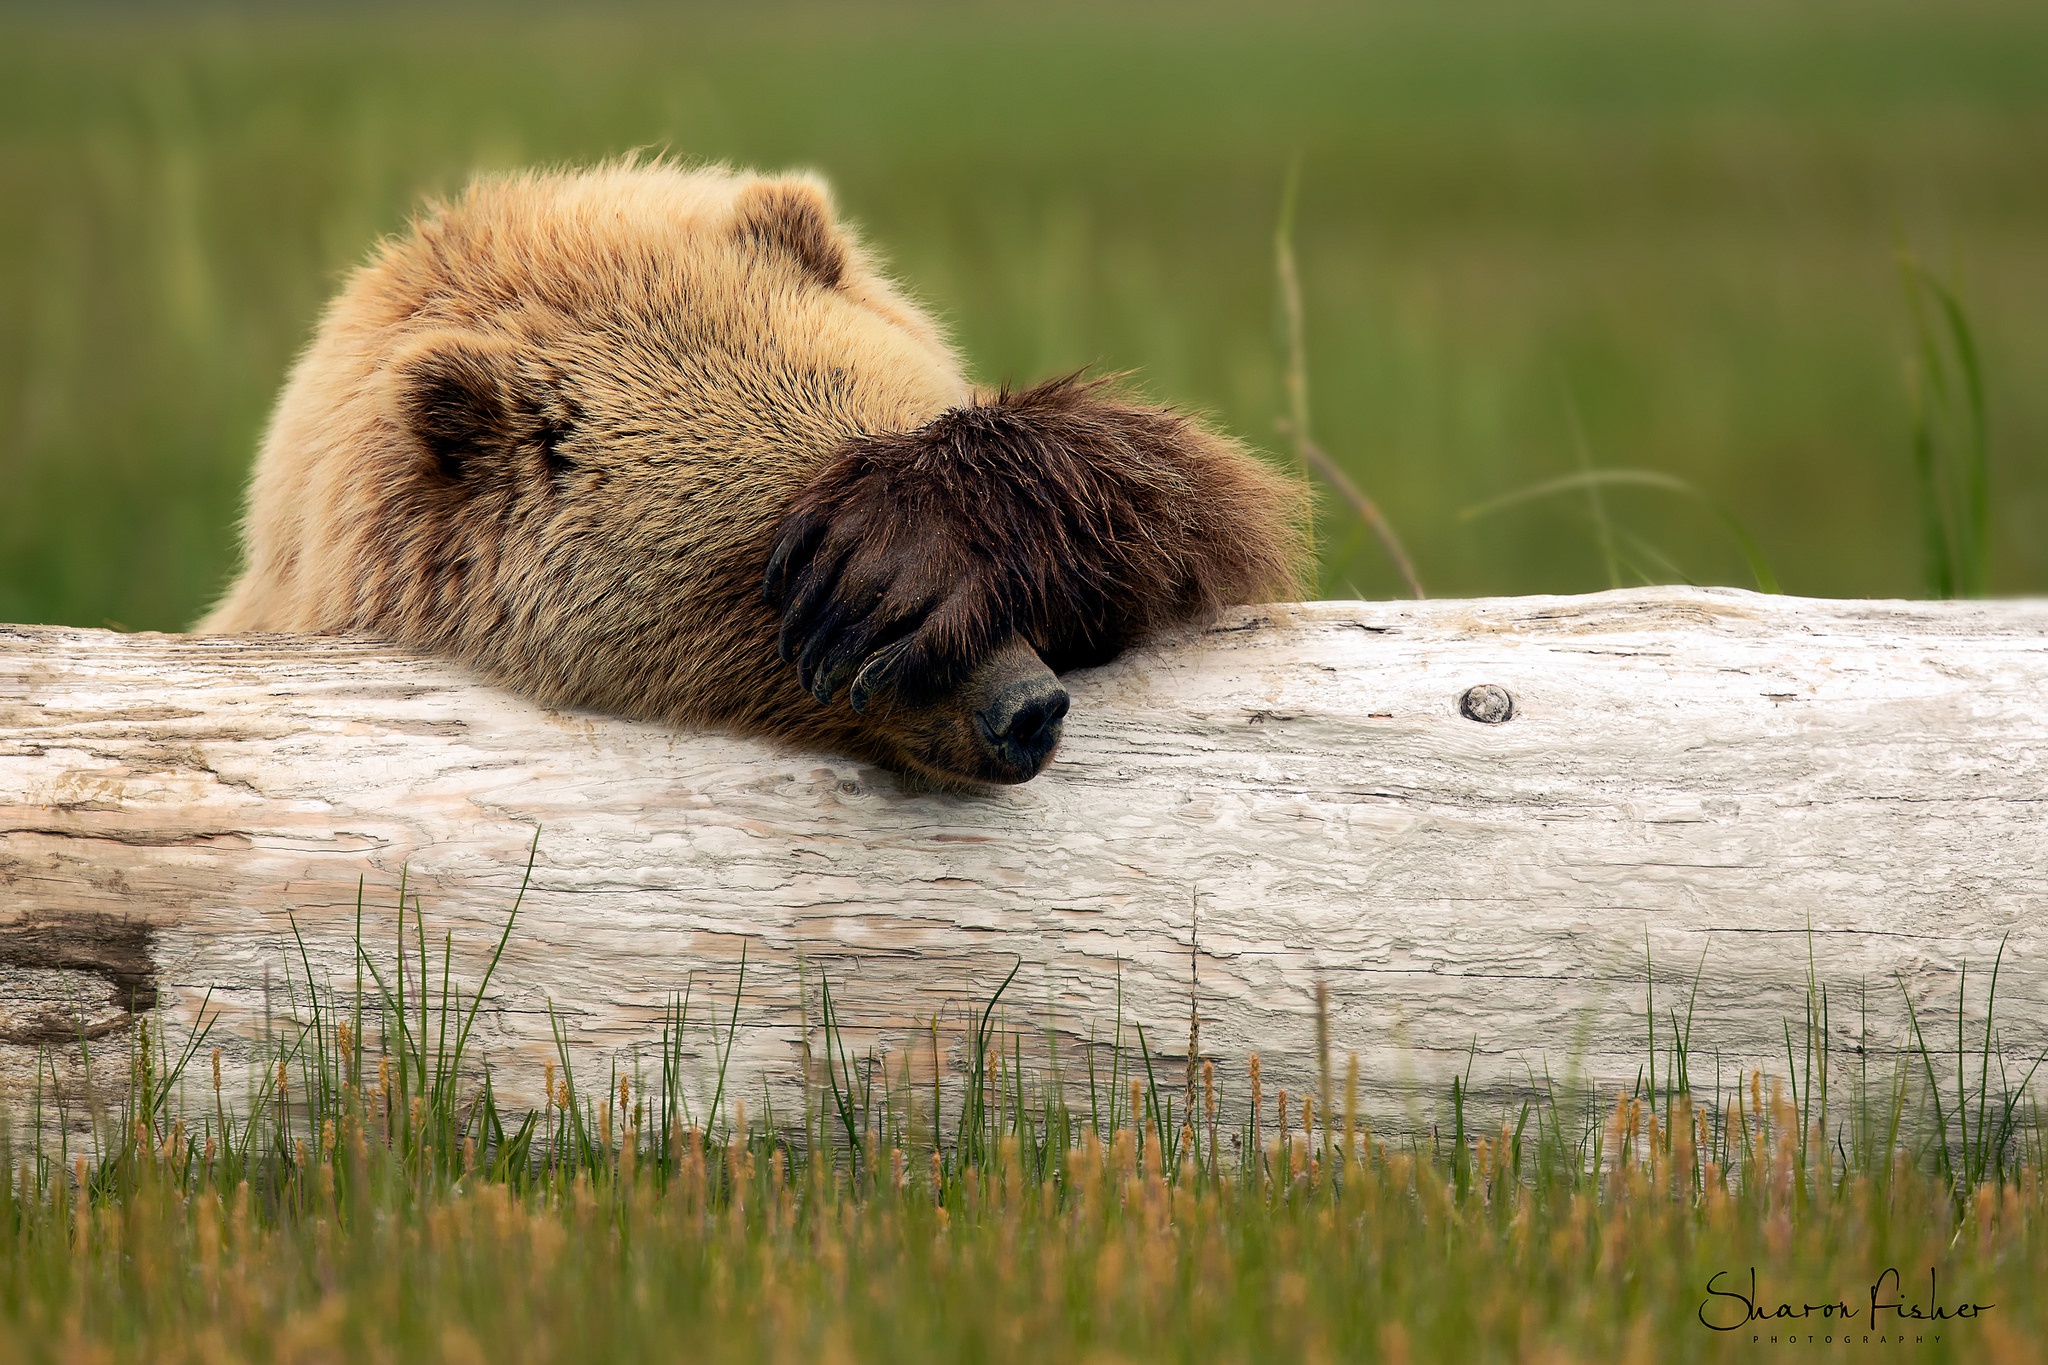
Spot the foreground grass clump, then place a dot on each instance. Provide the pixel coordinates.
(368, 1197)
(746, 1252)
(592, 1232)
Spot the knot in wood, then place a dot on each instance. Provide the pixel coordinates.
(1487, 704)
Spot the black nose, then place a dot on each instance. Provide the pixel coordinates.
(1022, 725)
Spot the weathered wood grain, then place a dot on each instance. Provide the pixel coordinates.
(1709, 780)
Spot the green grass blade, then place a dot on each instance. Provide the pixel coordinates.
(1752, 553)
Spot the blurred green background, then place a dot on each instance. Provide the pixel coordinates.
(1672, 228)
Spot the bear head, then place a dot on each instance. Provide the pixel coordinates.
(664, 442)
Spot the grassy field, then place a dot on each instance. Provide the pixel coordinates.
(367, 1198)
(1531, 239)
(735, 1253)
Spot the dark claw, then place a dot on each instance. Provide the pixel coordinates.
(811, 594)
(841, 662)
(795, 542)
(833, 624)
(791, 637)
(878, 673)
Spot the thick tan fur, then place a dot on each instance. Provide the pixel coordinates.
(554, 432)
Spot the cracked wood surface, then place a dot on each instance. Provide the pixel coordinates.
(1718, 782)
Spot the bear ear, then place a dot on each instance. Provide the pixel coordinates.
(462, 396)
(793, 216)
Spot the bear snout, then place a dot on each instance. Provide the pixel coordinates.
(1021, 725)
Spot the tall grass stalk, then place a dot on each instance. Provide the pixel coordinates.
(1589, 479)
(1296, 426)
(1951, 440)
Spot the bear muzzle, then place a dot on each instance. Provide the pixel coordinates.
(998, 727)
(1020, 725)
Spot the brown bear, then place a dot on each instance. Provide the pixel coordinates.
(664, 442)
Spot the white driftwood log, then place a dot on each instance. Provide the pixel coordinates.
(1292, 797)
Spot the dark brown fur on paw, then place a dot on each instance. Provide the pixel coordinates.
(1064, 514)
